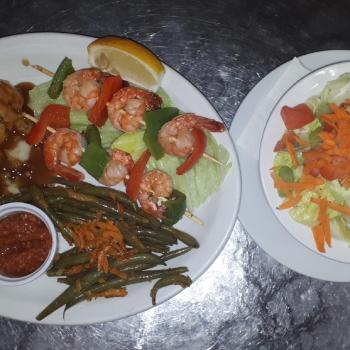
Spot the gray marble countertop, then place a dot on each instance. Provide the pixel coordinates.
(246, 300)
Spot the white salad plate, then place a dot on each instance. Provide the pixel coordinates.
(288, 242)
(219, 212)
(310, 85)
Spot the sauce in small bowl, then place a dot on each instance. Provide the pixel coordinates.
(28, 243)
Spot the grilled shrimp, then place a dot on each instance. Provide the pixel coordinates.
(155, 184)
(81, 89)
(64, 146)
(175, 136)
(117, 168)
(128, 105)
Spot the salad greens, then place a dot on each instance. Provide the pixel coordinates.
(305, 211)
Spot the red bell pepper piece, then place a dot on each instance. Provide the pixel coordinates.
(200, 142)
(296, 117)
(134, 182)
(54, 115)
(98, 113)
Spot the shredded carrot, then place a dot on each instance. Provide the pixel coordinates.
(291, 202)
(291, 152)
(103, 240)
(319, 238)
(324, 221)
(337, 207)
(112, 292)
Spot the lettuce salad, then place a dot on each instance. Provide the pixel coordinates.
(197, 184)
(305, 211)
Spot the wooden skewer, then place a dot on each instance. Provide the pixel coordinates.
(51, 74)
(194, 218)
(38, 67)
(34, 120)
(207, 156)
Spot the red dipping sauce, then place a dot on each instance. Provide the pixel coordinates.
(25, 243)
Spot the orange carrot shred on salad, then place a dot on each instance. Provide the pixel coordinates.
(319, 238)
(337, 207)
(291, 202)
(324, 221)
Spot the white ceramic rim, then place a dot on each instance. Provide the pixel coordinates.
(18, 207)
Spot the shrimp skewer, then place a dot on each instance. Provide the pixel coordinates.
(82, 88)
(175, 136)
(62, 150)
(155, 185)
(128, 106)
(118, 168)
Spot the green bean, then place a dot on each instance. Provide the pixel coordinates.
(153, 239)
(71, 219)
(64, 69)
(143, 258)
(68, 209)
(130, 237)
(68, 252)
(18, 197)
(154, 246)
(137, 277)
(71, 260)
(99, 191)
(161, 236)
(181, 236)
(175, 253)
(70, 293)
(183, 281)
(39, 200)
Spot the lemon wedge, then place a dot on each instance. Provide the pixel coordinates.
(133, 61)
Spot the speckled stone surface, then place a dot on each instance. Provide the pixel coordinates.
(246, 300)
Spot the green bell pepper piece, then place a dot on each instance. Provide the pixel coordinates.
(154, 121)
(64, 69)
(95, 157)
(176, 207)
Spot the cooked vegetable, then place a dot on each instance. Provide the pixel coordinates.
(98, 113)
(176, 207)
(183, 281)
(134, 182)
(200, 143)
(95, 157)
(54, 115)
(154, 121)
(64, 69)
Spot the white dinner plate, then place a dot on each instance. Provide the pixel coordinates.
(219, 212)
(310, 85)
(255, 212)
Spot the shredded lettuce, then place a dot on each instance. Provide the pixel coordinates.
(199, 183)
(39, 99)
(335, 91)
(306, 212)
(283, 158)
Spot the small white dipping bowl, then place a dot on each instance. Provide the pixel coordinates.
(18, 207)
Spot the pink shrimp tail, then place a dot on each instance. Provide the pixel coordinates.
(68, 173)
(210, 125)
